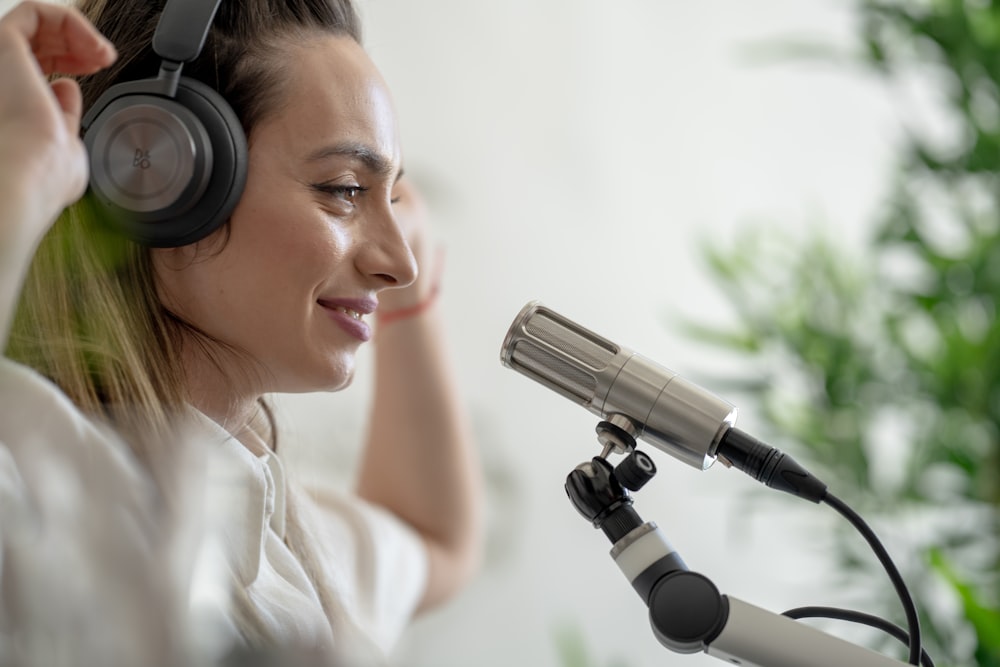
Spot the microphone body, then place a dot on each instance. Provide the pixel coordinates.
(665, 410)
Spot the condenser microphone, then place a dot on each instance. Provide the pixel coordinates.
(654, 403)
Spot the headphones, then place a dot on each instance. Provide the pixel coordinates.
(168, 156)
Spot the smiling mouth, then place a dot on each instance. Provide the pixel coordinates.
(351, 319)
(350, 313)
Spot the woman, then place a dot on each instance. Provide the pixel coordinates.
(158, 342)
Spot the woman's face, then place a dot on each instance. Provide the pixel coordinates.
(313, 240)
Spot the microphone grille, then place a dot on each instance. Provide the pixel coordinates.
(557, 353)
(582, 345)
(552, 371)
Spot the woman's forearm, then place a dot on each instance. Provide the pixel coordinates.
(16, 247)
(420, 461)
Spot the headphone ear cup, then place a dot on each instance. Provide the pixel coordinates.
(166, 171)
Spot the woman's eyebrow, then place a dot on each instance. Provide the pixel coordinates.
(373, 160)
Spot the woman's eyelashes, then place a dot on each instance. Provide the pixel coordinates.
(346, 193)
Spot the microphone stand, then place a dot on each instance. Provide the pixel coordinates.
(687, 612)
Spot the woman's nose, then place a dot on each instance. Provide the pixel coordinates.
(387, 256)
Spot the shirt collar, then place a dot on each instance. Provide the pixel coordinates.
(245, 496)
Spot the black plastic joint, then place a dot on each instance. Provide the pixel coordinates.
(687, 612)
(647, 580)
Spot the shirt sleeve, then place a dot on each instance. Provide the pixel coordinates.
(377, 563)
(41, 427)
(81, 573)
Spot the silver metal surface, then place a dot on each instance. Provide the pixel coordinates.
(631, 537)
(640, 549)
(754, 637)
(612, 441)
(148, 158)
(669, 412)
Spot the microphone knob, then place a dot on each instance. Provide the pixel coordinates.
(635, 470)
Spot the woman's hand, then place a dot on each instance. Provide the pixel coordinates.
(411, 214)
(43, 163)
(420, 460)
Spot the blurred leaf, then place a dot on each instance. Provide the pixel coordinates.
(571, 647)
(984, 619)
(899, 350)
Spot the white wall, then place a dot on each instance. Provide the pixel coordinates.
(577, 152)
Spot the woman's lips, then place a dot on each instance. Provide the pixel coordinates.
(349, 315)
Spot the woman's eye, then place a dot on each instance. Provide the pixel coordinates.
(347, 193)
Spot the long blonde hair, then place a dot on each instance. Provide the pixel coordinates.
(89, 318)
(90, 321)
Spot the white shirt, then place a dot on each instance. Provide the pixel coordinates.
(89, 559)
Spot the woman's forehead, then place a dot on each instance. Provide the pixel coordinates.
(333, 95)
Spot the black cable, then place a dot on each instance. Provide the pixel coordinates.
(909, 608)
(779, 471)
(858, 617)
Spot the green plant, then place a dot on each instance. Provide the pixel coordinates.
(572, 648)
(883, 366)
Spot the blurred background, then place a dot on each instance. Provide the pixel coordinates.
(791, 202)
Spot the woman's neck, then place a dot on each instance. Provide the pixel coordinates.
(217, 392)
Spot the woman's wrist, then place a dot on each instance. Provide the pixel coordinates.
(407, 312)
(24, 218)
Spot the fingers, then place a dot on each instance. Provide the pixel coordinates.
(67, 93)
(410, 210)
(60, 37)
(411, 201)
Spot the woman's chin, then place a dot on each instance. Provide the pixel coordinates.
(339, 377)
(332, 378)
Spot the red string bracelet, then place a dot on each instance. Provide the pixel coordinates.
(406, 313)
(409, 311)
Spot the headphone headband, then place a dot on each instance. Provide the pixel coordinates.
(168, 156)
(174, 39)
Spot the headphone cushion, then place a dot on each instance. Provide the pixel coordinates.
(166, 171)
